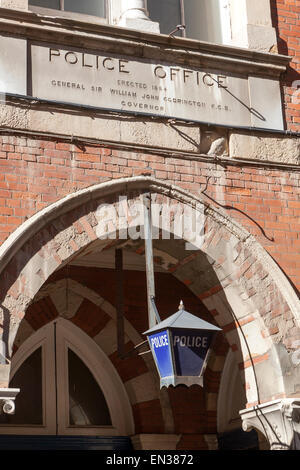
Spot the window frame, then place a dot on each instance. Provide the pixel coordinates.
(43, 340)
(72, 15)
(55, 393)
(222, 34)
(182, 18)
(65, 340)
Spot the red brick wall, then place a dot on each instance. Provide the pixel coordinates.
(286, 20)
(35, 173)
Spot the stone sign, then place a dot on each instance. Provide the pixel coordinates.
(120, 83)
(131, 84)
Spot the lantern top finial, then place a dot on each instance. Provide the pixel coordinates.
(181, 306)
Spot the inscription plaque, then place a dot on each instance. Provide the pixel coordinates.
(123, 83)
(130, 84)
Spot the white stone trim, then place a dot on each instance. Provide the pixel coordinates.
(278, 421)
(229, 380)
(7, 400)
(14, 4)
(251, 25)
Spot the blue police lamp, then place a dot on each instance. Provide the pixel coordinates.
(180, 346)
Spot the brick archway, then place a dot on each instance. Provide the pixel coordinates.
(249, 296)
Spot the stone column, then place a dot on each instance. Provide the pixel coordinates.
(278, 420)
(135, 16)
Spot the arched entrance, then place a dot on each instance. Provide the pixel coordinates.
(229, 273)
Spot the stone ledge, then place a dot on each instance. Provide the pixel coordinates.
(14, 4)
(161, 134)
(265, 147)
(129, 130)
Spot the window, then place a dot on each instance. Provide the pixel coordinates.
(87, 405)
(202, 18)
(67, 387)
(86, 7)
(29, 401)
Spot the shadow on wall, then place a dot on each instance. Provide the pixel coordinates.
(291, 75)
(238, 440)
(4, 351)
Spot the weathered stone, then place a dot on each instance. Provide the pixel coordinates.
(278, 420)
(261, 38)
(251, 24)
(266, 107)
(265, 147)
(14, 4)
